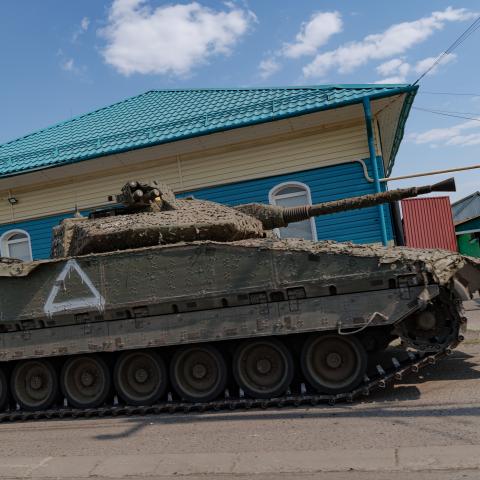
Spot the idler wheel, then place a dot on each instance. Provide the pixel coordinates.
(333, 363)
(140, 378)
(263, 368)
(432, 329)
(85, 381)
(198, 373)
(34, 384)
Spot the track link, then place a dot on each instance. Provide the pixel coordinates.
(384, 376)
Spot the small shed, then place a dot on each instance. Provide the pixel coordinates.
(428, 223)
(466, 217)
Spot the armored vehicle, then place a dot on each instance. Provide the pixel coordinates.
(169, 303)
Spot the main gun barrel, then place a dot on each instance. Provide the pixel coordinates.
(273, 216)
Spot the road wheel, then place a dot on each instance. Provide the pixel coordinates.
(140, 378)
(263, 368)
(85, 381)
(333, 363)
(198, 373)
(34, 384)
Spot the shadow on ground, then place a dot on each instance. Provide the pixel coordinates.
(452, 410)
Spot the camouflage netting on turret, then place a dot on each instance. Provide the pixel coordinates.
(191, 220)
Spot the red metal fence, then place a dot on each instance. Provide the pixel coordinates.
(428, 223)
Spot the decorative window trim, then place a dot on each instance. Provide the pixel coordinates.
(4, 242)
(272, 196)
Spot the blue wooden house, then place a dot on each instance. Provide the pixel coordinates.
(280, 145)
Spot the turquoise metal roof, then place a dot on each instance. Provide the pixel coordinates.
(161, 116)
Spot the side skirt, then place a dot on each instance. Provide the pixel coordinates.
(336, 312)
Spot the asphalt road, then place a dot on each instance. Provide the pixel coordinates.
(428, 423)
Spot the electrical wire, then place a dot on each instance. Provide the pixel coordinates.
(449, 111)
(447, 114)
(450, 93)
(467, 33)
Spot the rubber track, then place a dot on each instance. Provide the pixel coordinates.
(384, 377)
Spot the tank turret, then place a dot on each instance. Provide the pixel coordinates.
(149, 214)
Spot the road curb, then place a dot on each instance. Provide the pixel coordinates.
(404, 459)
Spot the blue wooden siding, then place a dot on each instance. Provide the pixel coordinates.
(326, 184)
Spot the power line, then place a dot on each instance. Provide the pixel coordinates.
(451, 93)
(467, 33)
(448, 111)
(446, 114)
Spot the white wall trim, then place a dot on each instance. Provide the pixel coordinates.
(293, 183)
(461, 232)
(4, 239)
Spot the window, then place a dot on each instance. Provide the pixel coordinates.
(16, 244)
(289, 195)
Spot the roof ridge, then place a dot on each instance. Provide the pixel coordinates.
(286, 87)
(466, 198)
(72, 119)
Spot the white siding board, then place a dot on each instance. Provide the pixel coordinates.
(273, 168)
(222, 168)
(324, 146)
(388, 120)
(376, 134)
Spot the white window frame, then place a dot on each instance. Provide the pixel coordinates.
(5, 242)
(272, 196)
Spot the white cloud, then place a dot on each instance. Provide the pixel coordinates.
(395, 40)
(397, 68)
(82, 28)
(84, 24)
(313, 34)
(268, 67)
(170, 39)
(456, 135)
(396, 79)
(396, 65)
(68, 65)
(422, 65)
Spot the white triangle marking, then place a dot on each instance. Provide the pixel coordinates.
(95, 301)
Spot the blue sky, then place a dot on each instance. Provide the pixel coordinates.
(60, 59)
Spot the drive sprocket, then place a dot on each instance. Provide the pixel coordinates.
(434, 328)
